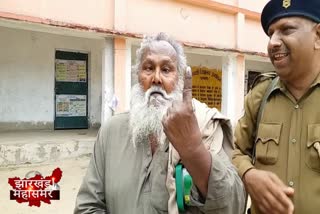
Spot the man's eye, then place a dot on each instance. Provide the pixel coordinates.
(288, 30)
(148, 68)
(166, 70)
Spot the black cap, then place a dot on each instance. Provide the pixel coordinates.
(276, 9)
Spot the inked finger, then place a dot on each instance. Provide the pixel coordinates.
(187, 86)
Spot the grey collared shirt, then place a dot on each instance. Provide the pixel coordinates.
(123, 179)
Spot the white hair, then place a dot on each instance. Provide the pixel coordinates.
(146, 45)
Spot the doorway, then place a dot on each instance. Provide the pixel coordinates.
(71, 90)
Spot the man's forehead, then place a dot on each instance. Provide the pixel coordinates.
(161, 48)
(291, 20)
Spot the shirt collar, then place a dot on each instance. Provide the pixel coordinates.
(281, 86)
(316, 81)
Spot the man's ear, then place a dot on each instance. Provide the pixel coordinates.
(317, 42)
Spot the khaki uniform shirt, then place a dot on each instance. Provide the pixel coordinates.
(286, 141)
(122, 179)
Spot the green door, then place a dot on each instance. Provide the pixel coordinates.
(71, 90)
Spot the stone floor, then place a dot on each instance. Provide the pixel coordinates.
(73, 171)
(44, 151)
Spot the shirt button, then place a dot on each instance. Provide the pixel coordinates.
(291, 183)
(293, 141)
(296, 106)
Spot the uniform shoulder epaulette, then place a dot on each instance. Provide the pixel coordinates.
(262, 77)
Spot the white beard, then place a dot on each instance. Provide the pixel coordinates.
(147, 110)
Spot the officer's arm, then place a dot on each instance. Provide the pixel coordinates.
(244, 134)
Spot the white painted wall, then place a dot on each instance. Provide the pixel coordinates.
(128, 74)
(134, 77)
(27, 74)
(259, 66)
(107, 79)
(204, 60)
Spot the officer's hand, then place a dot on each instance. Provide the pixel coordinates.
(268, 192)
(180, 123)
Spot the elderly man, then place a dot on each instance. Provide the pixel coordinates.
(277, 139)
(132, 166)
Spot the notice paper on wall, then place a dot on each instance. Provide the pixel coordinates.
(70, 71)
(68, 105)
(206, 85)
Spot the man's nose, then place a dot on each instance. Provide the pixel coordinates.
(275, 41)
(157, 77)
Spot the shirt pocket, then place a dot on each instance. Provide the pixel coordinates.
(312, 154)
(267, 143)
(159, 194)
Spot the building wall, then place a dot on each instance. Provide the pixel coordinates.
(95, 13)
(215, 36)
(183, 21)
(27, 76)
(254, 38)
(231, 2)
(251, 5)
(193, 21)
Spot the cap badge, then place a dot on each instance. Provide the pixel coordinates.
(286, 3)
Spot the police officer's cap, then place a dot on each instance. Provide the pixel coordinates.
(276, 9)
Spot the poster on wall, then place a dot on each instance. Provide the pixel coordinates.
(68, 105)
(70, 71)
(206, 85)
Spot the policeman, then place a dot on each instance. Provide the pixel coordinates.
(277, 154)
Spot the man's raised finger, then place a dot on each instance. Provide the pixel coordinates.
(187, 86)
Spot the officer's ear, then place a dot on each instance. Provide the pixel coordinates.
(317, 42)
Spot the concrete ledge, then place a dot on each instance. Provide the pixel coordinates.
(31, 147)
(21, 125)
(44, 125)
